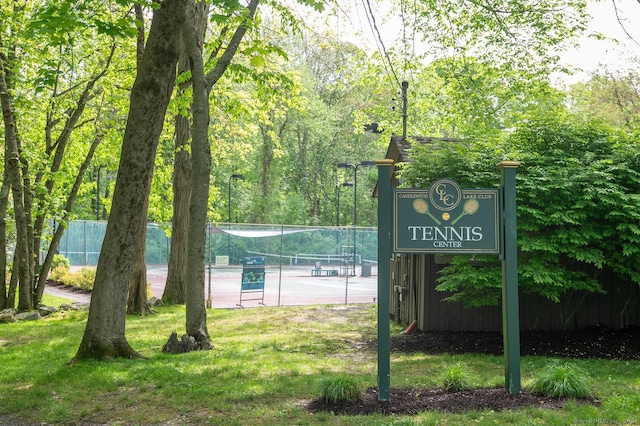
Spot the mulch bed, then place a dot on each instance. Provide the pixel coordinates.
(596, 343)
(410, 402)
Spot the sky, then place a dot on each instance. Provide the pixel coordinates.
(593, 54)
(589, 57)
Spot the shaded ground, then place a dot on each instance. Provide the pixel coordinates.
(596, 343)
(603, 344)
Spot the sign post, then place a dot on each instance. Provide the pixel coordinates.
(510, 309)
(384, 277)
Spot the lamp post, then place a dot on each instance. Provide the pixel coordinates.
(338, 209)
(355, 198)
(233, 176)
(98, 203)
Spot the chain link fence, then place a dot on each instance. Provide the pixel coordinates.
(344, 248)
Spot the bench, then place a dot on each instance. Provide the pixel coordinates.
(319, 272)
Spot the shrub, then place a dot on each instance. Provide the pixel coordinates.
(456, 379)
(343, 388)
(562, 381)
(82, 279)
(59, 273)
(59, 261)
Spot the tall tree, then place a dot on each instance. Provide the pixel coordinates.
(40, 42)
(174, 289)
(196, 321)
(610, 96)
(104, 335)
(137, 300)
(15, 175)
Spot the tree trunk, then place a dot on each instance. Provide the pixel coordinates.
(196, 323)
(12, 161)
(104, 335)
(4, 200)
(59, 231)
(56, 152)
(137, 301)
(177, 270)
(13, 285)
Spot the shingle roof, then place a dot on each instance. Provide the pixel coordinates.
(399, 151)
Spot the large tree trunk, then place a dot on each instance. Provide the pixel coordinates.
(196, 323)
(174, 289)
(104, 335)
(137, 300)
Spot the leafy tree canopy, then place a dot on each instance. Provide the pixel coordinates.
(578, 191)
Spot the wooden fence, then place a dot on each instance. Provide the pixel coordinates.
(414, 297)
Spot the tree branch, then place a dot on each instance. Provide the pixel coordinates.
(223, 63)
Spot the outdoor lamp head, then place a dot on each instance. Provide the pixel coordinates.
(373, 128)
(345, 165)
(237, 176)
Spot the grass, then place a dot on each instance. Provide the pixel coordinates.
(265, 365)
(456, 378)
(562, 380)
(342, 388)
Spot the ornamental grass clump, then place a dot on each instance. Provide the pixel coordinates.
(342, 388)
(562, 380)
(456, 379)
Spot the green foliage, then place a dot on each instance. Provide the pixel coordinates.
(58, 272)
(341, 388)
(518, 34)
(59, 261)
(578, 190)
(466, 97)
(61, 21)
(82, 279)
(562, 380)
(456, 378)
(610, 96)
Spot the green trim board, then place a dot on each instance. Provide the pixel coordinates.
(446, 219)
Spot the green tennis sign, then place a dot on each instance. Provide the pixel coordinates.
(446, 219)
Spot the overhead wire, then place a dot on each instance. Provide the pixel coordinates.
(386, 60)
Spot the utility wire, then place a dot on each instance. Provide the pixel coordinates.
(386, 60)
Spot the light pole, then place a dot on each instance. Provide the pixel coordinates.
(355, 198)
(233, 176)
(338, 209)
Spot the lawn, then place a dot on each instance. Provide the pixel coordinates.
(265, 369)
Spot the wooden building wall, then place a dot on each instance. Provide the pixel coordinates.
(414, 297)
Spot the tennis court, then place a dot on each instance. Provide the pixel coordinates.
(283, 286)
(301, 264)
